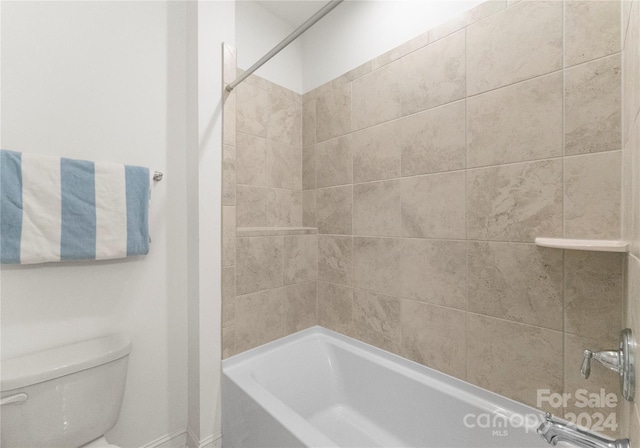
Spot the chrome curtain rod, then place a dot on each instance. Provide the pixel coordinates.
(293, 36)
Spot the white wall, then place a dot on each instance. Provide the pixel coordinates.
(257, 32)
(106, 81)
(210, 24)
(357, 31)
(352, 34)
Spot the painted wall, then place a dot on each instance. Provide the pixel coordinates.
(210, 24)
(106, 81)
(357, 31)
(257, 32)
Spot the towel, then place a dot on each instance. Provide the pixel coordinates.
(58, 209)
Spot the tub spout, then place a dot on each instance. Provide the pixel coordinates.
(554, 431)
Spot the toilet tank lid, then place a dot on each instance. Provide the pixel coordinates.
(56, 362)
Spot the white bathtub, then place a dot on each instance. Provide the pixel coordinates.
(317, 388)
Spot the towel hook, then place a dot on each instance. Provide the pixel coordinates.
(157, 176)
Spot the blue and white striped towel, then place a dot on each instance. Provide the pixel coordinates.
(57, 209)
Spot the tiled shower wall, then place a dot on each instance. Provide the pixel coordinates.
(429, 171)
(270, 262)
(631, 182)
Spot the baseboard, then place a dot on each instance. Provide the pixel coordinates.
(177, 439)
(213, 441)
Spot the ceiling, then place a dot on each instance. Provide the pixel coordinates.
(292, 12)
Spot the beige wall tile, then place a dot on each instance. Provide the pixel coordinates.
(513, 359)
(601, 378)
(257, 81)
(434, 271)
(592, 113)
(518, 282)
(634, 147)
(376, 154)
(300, 307)
(433, 141)
(433, 75)
(228, 296)
(259, 264)
(592, 196)
(521, 42)
(473, 15)
(286, 163)
(433, 206)
(516, 123)
(229, 114)
(285, 208)
(592, 30)
(335, 307)
(285, 117)
(228, 175)
(259, 318)
(333, 162)
(593, 287)
(334, 209)
(252, 203)
(631, 72)
(376, 319)
(317, 92)
(253, 161)
(627, 190)
(369, 108)
(254, 106)
(632, 294)
(335, 259)
(377, 208)
(228, 342)
(333, 113)
(626, 6)
(309, 167)
(309, 123)
(376, 264)
(435, 336)
(401, 50)
(349, 76)
(300, 255)
(228, 235)
(634, 429)
(309, 208)
(515, 202)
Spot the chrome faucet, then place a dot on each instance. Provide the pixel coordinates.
(554, 431)
(611, 359)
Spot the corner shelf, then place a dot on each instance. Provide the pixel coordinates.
(574, 244)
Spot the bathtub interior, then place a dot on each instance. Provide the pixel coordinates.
(357, 395)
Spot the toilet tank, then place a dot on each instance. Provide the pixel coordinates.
(63, 397)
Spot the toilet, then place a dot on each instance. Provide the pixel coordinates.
(66, 397)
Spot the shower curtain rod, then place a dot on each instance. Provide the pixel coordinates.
(293, 36)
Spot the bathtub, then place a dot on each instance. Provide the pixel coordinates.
(318, 388)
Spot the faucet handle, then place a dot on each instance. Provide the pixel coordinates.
(585, 368)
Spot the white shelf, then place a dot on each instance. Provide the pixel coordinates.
(592, 245)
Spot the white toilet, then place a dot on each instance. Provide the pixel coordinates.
(66, 397)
